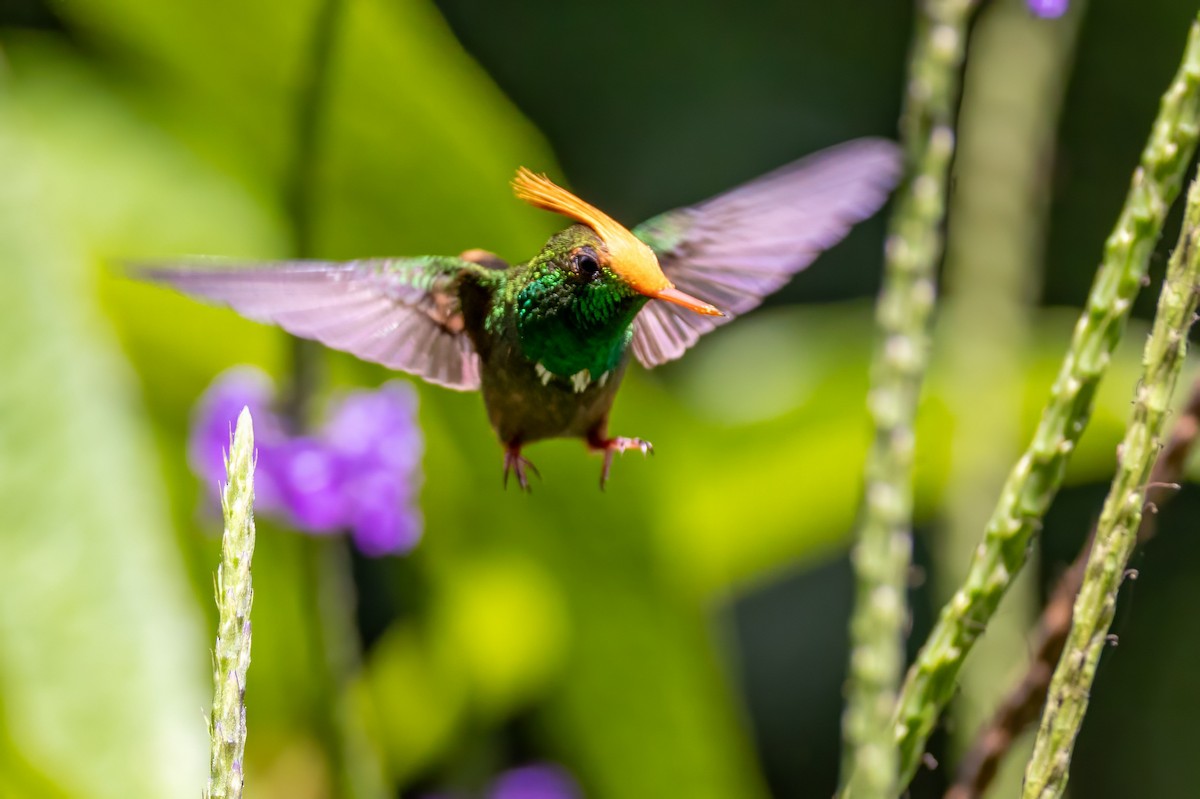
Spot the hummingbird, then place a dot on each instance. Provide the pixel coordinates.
(548, 341)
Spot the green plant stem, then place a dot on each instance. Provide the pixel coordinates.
(336, 656)
(1116, 533)
(882, 553)
(235, 595)
(1013, 87)
(301, 188)
(1023, 703)
(353, 762)
(1035, 479)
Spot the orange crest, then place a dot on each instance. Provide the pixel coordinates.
(629, 256)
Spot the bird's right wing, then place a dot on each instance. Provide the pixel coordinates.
(738, 247)
(401, 312)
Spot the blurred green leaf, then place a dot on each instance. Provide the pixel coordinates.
(794, 473)
(420, 144)
(416, 148)
(102, 654)
(505, 617)
(110, 185)
(412, 696)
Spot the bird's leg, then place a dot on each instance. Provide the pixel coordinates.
(514, 461)
(598, 441)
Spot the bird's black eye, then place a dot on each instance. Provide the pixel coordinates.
(586, 263)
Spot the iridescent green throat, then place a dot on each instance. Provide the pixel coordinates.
(568, 326)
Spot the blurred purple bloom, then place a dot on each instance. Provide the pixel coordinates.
(1048, 9)
(212, 425)
(538, 781)
(378, 426)
(360, 473)
(312, 480)
(534, 781)
(381, 515)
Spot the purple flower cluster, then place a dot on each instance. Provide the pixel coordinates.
(1048, 9)
(359, 474)
(534, 781)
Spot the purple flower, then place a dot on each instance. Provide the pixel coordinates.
(1048, 9)
(212, 425)
(374, 436)
(313, 483)
(359, 474)
(381, 515)
(537, 781)
(534, 781)
(378, 426)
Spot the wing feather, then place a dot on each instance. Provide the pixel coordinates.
(401, 312)
(738, 247)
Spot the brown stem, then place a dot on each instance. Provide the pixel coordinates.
(1021, 708)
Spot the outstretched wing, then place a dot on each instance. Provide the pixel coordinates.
(738, 247)
(401, 312)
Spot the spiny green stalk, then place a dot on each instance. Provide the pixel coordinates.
(1036, 477)
(1116, 533)
(1022, 705)
(995, 247)
(235, 595)
(881, 556)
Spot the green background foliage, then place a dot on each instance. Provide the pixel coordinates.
(681, 634)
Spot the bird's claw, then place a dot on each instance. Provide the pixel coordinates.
(515, 462)
(620, 444)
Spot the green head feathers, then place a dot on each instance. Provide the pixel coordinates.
(572, 311)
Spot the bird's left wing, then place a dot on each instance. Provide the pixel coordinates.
(738, 247)
(401, 312)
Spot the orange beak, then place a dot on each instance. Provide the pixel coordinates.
(672, 294)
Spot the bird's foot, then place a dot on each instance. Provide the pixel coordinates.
(611, 446)
(515, 462)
